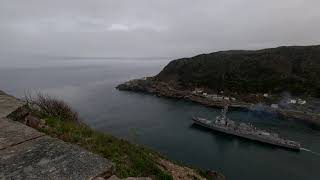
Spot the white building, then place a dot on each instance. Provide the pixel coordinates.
(293, 101)
(301, 101)
(197, 91)
(212, 95)
(265, 95)
(217, 98)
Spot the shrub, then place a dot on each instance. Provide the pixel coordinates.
(49, 106)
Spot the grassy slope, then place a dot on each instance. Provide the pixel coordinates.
(62, 122)
(129, 159)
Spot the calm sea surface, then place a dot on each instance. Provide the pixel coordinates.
(164, 124)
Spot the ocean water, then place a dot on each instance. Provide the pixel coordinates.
(164, 124)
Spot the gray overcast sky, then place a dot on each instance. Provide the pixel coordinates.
(166, 28)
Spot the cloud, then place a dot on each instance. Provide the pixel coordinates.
(154, 28)
(136, 27)
(79, 24)
(60, 25)
(118, 27)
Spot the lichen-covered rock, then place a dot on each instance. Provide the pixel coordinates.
(19, 114)
(33, 122)
(8, 104)
(50, 158)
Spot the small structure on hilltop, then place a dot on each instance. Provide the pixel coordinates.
(197, 91)
(297, 101)
(292, 101)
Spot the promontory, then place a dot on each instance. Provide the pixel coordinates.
(283, 79)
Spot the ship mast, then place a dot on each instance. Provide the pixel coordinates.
(224, 113)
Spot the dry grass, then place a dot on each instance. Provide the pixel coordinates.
(179, 172)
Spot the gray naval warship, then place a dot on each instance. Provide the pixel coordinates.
(225, 125)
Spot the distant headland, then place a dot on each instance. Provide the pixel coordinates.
(284, 80)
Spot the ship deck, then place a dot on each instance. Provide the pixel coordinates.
(246, 135)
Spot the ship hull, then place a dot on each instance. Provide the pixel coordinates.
(246, 136)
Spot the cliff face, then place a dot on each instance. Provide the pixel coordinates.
(295, 69)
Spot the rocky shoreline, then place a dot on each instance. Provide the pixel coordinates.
(151, 85)
(162, 89)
